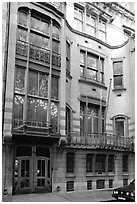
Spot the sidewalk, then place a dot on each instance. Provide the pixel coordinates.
(86, 196)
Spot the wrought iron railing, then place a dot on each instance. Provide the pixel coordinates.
(100, 140)
(35, 126)
(22, 48)
(37, 53)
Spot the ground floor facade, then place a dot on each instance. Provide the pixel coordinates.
(36, 165)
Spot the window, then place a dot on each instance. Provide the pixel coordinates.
(78, 18)
(70, 185)
(89, 118)
(100, 184)
(54, 88)
(89, 159)
(90, 25)
(100, 163)
(53, 116)
(68, 57)
(125, 163)
(70, 162)
(110, 163)
(125, 182)
(18, 109)
(118, 74)
(102, 30)
(119, 126)
(22, 18)
(89, 185)
(91, 66)
(20, 80)
(110, 183)
(39, 25)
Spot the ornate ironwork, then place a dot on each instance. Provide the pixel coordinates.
(39, 53)
(97, 140)
(22, 48)
(56, 59)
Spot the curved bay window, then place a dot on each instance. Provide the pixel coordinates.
(38, 37)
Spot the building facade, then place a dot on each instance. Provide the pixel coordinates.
(68, 96)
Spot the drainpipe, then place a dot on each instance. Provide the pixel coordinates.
(108, 102)
(5, 63)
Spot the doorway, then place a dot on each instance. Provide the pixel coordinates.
(32, 171)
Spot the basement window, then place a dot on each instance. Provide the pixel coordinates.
(70, 185)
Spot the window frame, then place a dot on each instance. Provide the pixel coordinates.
(89, 162)
(70, 162)
(125, 163)
(116, 75)
(77, 18)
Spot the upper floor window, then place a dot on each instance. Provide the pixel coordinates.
(68, 56)
(121, 126)
(39, 25)
(78, 18)
(22, 18)
(118, 73)
(89, 158)
(91, 66)
(102, 30)
(110, 163)
(90, 25)
(100, 163)
(125, 163)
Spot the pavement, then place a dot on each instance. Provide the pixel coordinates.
(84, 196)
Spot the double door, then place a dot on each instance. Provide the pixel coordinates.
(32, 169)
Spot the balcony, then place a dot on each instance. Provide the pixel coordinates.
(100, 141)
(37, 53)
(35, 128)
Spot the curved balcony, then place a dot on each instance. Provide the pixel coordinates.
(100, 141)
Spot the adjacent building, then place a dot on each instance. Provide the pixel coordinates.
(68, 96)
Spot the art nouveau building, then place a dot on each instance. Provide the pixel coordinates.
(68, 96)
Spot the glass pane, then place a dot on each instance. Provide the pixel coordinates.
(43, 151)
(23, 151)
(90, 128)
(90, 30)
(24, 168)
(54, 88)
(95, 125)
(39, 41)
(92, 110)
(39, 25)
(20, 79)
(102, 35)
(101, 77)
(119, 128)
(101, 65)
(37, 110)
(40, 182)
(48, 168)
(92, 74)
(81, 15)
(22, 34)
(22, 18)
(33, 83)
(55, 32)
(18, 107)
(91, 61)
(117, 68)
(41, 168)
(117, 81)
(43, 85)
(68, 50)
(82, 57)
(24, 183)
(54, 113)
(55, 46)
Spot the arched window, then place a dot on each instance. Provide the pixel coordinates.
(120, 125)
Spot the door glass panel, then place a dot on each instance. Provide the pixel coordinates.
(40, 182)
(42, 151)
(41, 168)
(25, 168)
(24, 183)
(48, 168)
(23, 151)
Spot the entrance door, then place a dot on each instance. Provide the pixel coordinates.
(32, 169)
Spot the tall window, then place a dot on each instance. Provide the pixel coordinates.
(68, 57)
(70, 162)
(119, 126)
(91, 66)
(110, 163)
(102, 30)
(125, 163)
(89, 161)
(118, 74)
(78, 18)
(100, 163)
(89, 118)
(90, 25)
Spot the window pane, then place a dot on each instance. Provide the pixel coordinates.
(33, 83)
(117, 81)
(95, 125)
(90, 30)
(23, 151)
(111, 163)
(54, 88)
(102, 35)
(117, 68)
(89, 162)
(92, 74)
(43, 85)
(22, 18)
(22, 34)
(100, 163)
(82, 57)
(119, 128)
(39, 41)
(55, 46)
(90, 128)
(55, 32)
(91, 61)
(20, 79)
(70, 162)
(18, 107)
(54, 113)
(39, 25)
(37, 110)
